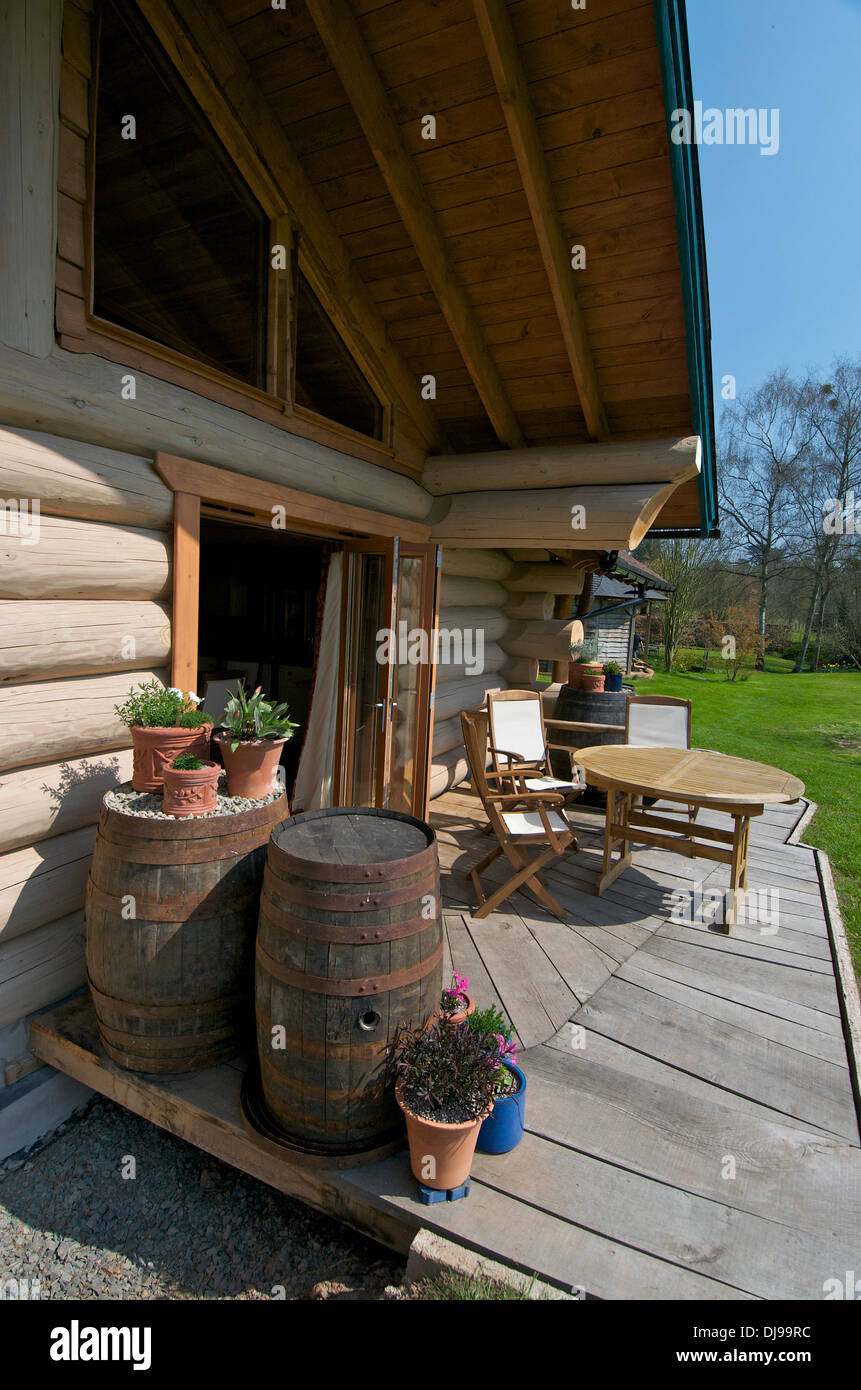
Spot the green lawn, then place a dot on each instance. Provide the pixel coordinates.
(806, 724)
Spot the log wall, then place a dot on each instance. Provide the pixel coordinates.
(84, 615)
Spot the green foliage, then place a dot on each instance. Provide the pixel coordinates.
(154, 706)
(490, 1020)
(587, 651)
(449, 1286)
(612, 668)
(187, 762)
(194, 719)
(250, 717)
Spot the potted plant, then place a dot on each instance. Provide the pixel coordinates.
(455, 1004)
(503, 1128)
(254, 733)
(612, 675)
(584, 666)
(446, 1081)
(164, 723)
(190, 786)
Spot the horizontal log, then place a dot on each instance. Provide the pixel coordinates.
(54, 798)
(492, 658)
(549, 641)
(550, 579)
(77, 394)
(447, 735)
(460, 591)
(447, 771)
(41, 967)
(82, 559)
(65, 718)
(453, 621)
(476, 564)
(520, 671)
(523, 607)
(44, 639)
(44, 881)
(646, 461)
(71, 478)
(465, 694)
(572, 518)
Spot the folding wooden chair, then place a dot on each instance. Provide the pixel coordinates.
(659, 721)
(541, 824)
(518, 734)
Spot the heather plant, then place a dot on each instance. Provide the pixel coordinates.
(454, 999)
(446, 1067)
(495, 1030)
(156, 706)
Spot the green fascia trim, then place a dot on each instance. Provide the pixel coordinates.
(672, 30)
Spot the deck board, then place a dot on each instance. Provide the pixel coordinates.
(655, 1053)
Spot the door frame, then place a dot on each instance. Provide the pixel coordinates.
(200, 489)
(229, 496)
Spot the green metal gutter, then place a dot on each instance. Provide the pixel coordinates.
(674, 53)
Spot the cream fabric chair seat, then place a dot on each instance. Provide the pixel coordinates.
(530, 823)
(551, 784)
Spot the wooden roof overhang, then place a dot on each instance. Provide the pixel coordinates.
(443, 249)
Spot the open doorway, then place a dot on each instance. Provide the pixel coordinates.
(260, 592)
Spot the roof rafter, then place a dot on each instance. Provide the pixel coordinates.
(503, 54)
(355, 67)
(206, 56)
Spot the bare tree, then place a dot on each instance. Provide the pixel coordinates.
(684, 564)
(824, 487)
(764, 439)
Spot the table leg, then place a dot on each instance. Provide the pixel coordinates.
(738, 869)
(611, 871)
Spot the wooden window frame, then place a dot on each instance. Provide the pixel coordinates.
(79, 329)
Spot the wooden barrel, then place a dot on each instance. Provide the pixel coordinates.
(349, 948)
(171, 916)
(589, 707)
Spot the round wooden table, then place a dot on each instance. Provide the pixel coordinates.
(695, 777)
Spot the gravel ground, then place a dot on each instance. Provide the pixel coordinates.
(149, 804)
(185, 1226)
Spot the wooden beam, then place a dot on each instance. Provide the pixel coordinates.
(208, 60)
(566, 465)
(355, 67)
(260, 498)
(503, 55)
(186, 589)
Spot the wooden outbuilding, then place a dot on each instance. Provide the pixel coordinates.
(319, 321)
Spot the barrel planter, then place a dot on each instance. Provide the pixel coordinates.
(170, 921)
(349, 949)
(584, 706)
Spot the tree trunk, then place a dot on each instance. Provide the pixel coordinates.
(805, 641)
(823, 599)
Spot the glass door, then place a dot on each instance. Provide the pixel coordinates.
(388, 633)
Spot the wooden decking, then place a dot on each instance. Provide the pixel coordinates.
(692, 1129)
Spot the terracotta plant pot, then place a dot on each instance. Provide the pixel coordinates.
(251, 769)
(592, 676)
(461, 1015)
(575, 674)
(440, 1155)
(155, 749)
(191, 791)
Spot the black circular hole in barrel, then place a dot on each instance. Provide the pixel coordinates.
(369, 1021)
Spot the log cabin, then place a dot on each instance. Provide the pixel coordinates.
(318, 319)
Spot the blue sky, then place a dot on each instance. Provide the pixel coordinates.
(783, 232)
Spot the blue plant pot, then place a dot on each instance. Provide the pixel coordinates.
(613, 682)
(503, 1128)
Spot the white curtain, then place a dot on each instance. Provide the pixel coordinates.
(313, 788)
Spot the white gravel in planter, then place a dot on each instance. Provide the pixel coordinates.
(149, 804)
